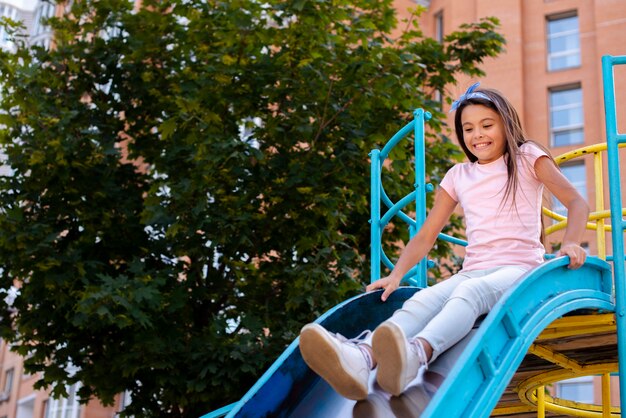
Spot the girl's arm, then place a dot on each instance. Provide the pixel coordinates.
(577, 209)
(419, 246)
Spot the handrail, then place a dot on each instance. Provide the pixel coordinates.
(416, 275)
(614, 139)
(486, 365)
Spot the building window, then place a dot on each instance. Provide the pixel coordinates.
(5, 170)
(26, 407)
(8, 12)
(44, 12)
(566, 116)
(439, 33)
(575, 173)
(8, 385)
(125, 400)
(8, 381)
(579, 389)
(563, 42)
(64, 407)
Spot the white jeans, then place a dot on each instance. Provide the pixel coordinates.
(444, 313)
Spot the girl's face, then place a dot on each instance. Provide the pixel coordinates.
(483, 133)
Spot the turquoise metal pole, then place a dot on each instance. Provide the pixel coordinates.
(375, 235)
(417, 275)
(617, 221)
(420, 188)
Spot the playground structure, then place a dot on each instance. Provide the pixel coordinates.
(553, 325)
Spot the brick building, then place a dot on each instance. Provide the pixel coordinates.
(18, 399)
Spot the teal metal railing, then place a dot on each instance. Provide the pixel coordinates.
(614, 138)
(417, 275)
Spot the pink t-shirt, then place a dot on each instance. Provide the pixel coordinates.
(499, 234)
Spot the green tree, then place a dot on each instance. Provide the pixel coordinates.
(190, 183)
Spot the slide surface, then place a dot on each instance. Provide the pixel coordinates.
(487, 359)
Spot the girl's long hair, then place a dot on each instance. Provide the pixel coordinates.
(514, 137)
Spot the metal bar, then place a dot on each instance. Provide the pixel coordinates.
(420, 186)
(406, 129)
(396, 208)
(220, 412)
(606, 395)
(451, 239)
(556, 358)
(387, 201)
(590, 321)
(576, 411)
(616, 212)
(541, 402)
(375, 244)
(527, 391)
(599, 185)
(568, 332)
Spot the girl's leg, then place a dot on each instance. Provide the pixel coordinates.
(417, 311)
(401, 361)
(346, 364)
(468, 301)
(397, 360)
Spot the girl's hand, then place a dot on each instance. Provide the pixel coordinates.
(576, 253)
(389, 283)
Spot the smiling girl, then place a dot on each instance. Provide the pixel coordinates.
(500, 190)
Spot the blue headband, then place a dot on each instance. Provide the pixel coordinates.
(469, 94)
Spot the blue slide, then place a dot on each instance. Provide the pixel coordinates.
(486, 361)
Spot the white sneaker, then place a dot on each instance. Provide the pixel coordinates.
(399, 361)
(337, 360)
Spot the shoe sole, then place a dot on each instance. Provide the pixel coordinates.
(322, 356)
(390, 353)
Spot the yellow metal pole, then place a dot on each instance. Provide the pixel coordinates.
(599, 185)
(601, 242)
(555, 358)
(606, 395)
(541, 402)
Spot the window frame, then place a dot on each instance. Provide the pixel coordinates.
(579, 127)
(10, 12)
(65, 407)
(439, 26)
(550, 55)
(9, 376)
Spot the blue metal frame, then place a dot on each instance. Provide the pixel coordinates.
(484, 369)
(614, 138)
(417, 276)
(420, 187)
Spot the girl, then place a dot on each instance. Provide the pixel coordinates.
(500, 191)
